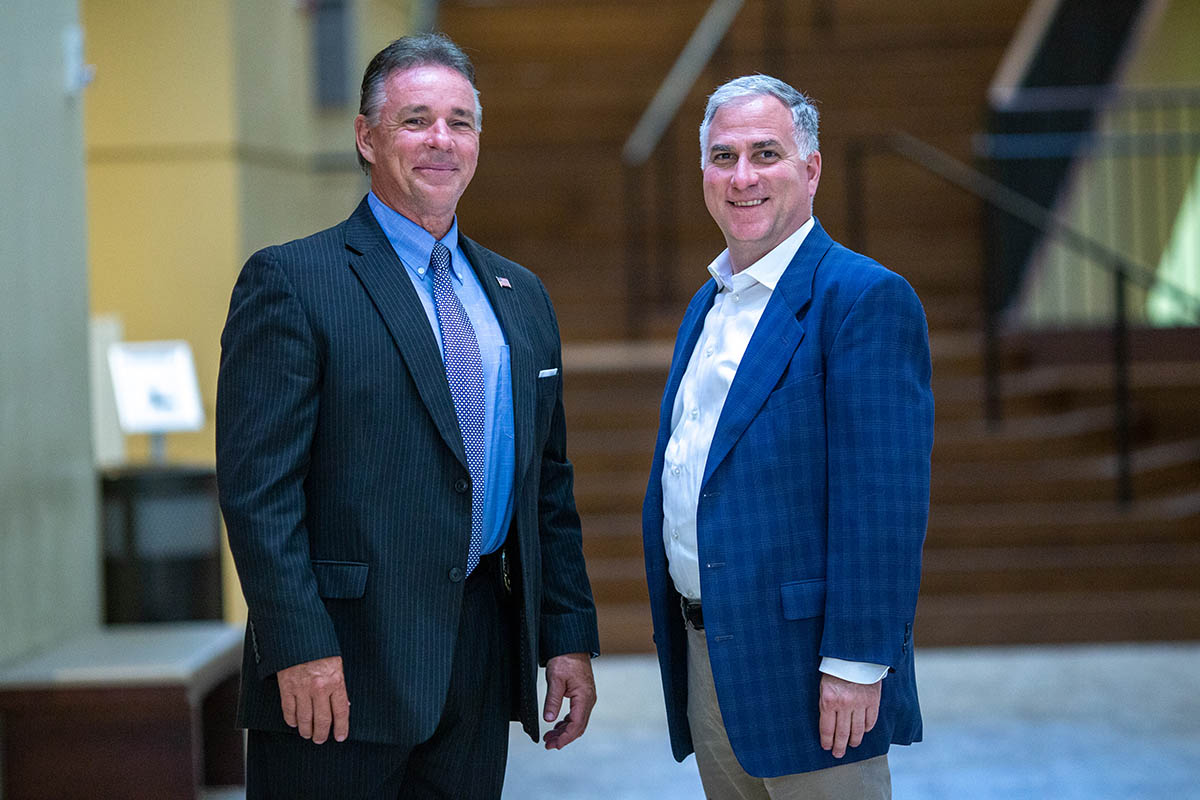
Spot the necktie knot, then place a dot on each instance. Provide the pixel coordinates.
(439, 259)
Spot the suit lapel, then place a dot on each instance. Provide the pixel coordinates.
(775, 339)
(685, 342)
(385, 280)
(511, 311)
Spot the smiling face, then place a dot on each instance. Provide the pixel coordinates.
(757, 187)
(424, 149)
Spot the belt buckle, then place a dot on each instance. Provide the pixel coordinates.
(504, 576)
(696, 619)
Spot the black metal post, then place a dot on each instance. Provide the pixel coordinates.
(991, 293)
(1121, 391)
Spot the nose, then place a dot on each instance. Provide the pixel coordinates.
(439, 136)
(744, 174)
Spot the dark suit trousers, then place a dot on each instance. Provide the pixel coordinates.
(465, 757)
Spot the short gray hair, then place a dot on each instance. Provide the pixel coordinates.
(805, 119)
(405, 53)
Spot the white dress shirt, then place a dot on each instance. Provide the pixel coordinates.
(737, 307)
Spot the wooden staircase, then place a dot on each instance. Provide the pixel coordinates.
(1025, 543)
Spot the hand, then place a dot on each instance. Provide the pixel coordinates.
(848, 710)
(570, 676)
(313, 694)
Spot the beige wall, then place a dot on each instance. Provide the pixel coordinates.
(49, 551)
(162, 180)
(203, 145)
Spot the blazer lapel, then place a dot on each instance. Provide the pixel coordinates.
(685, 342)
(510, 308)
(385, 280)
(775, 339)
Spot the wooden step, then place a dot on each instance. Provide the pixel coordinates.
(625, 627)
(1081, 431)
(1167, 467)
(1003, 570)
(1170, 518)
(1095, 615)
(620, 580)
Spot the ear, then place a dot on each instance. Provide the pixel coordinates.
(814, 172)
(362, 138)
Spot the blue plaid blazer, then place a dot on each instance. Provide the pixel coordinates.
(812, 510)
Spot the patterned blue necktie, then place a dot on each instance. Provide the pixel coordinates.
(464, 373)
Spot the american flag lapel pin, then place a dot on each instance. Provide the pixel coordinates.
(504, 282)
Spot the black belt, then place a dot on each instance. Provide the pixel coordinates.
(692, 612)
(493, 569)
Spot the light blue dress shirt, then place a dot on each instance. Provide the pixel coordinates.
(413, 244)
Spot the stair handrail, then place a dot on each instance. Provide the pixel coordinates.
(1012, 202)
(679, 81)
(1018, 205)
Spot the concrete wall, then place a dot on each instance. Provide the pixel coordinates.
(49, 550)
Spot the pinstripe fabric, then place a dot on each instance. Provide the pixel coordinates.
(341, 474)
(287, 767)
(812, 510)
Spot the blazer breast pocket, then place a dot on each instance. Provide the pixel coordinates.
(808, 389)
(547, 391)
(340, 580)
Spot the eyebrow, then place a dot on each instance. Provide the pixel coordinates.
(424, 109)
(759, 145)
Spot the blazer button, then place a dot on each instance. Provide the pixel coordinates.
(461, 485)
(455, 574)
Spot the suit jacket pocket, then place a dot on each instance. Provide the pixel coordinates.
(340, 580)
(803, 599)
(547, 391)
(806, 389)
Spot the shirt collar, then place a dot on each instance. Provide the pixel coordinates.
(412, 243)
(767, 270)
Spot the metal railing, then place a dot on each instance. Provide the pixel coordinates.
(651, 149)
(1053, 228)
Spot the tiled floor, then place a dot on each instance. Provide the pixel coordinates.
(1000, 724)
(1119, 722)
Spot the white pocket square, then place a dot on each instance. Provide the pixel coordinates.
(548, 373)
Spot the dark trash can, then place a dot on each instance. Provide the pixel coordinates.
(162, 544)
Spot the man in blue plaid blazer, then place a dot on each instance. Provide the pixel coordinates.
(789, 492)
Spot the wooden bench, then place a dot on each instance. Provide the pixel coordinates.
(124, 711)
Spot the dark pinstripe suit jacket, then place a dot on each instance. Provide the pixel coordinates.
(342, 480)
(812, 510)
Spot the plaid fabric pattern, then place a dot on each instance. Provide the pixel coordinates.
(812, 510)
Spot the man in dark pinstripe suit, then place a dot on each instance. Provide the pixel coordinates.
(380, 660)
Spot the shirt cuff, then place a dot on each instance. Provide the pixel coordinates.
(853, 671)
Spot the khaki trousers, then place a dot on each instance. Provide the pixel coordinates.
(724, 778)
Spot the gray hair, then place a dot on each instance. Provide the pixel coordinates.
(405, 53)
(804, 114)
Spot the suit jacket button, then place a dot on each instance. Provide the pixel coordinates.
(461, 485)
(455, 574)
